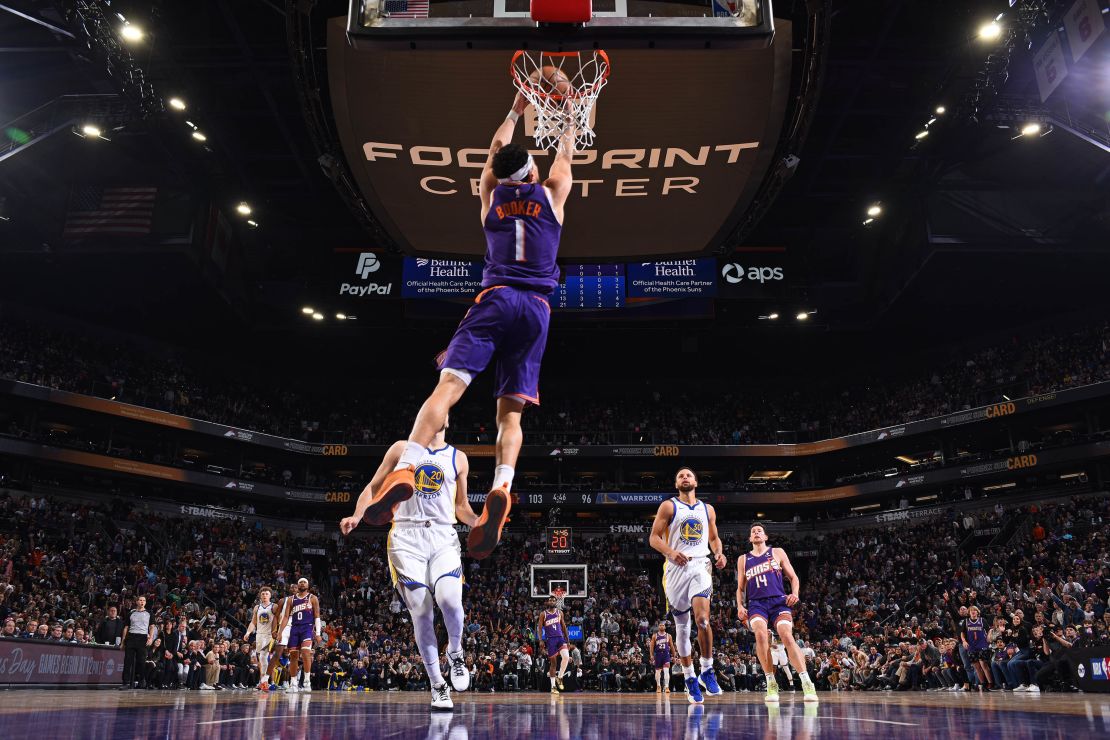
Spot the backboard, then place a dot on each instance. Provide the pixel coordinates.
(686, 128)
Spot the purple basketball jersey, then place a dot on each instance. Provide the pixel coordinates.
(553, 626)
(662, 649)
(764, 576)
(522, 239)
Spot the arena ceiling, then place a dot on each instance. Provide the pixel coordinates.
(1007, 205)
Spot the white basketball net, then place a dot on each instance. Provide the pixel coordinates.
(562, 88)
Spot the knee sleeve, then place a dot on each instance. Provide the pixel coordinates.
(682, 635)
(448, 595)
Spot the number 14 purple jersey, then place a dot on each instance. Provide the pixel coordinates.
(764, 576)
(522, 239)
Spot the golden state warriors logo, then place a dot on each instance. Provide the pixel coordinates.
(429, 479)
(690, 531)
(263, 618)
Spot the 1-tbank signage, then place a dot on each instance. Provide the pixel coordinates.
(674, 279)
(434, 278)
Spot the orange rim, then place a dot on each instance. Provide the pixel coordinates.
(534, 86)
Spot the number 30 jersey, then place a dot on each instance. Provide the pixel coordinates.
(764, 576)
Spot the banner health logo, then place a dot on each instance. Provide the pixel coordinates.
(429, 479)
(690, 531)
(367, 263)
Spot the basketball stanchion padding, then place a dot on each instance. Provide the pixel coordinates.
(562, 11)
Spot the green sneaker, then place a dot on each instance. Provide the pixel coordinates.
(809, 692)
(772, 692)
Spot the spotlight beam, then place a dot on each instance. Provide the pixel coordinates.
(38, 21)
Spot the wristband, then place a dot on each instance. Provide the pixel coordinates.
(513, 116)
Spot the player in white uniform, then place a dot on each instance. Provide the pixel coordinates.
(281, 609)
(685, 532)
(262, 625)
(425, 558)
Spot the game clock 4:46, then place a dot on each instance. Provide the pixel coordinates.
(558, 540)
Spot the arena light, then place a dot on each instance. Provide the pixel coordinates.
(252, 223)
(1031, 129)
(921, 135)
(866, 507)
(308, 310)
(341, 316)
(990, 31)
(773, 316)
(243, 209)
(770, 474)
(90, 130)
(318, 316)
(177, 103)
(999, 486)
(131, 33)
(1066, 476)
(931, 497)
(199, 136)
(875, 210)
(940, 110)
(907, 459)
(802, 316)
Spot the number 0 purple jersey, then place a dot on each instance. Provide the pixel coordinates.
(522, 239)
(764, 576)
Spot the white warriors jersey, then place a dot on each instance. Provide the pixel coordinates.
(434, 498)
(266, 619)
(688, 532)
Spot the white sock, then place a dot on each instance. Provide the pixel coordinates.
(412, 454)
(770, 677)
(503, 475)
(804, 675)
(688, 671)
(706, 664)
(552, 682)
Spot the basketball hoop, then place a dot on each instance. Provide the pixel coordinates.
(562, 88)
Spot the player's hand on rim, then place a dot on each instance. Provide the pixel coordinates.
(791, 599)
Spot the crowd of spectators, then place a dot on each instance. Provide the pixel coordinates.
(633, 411)
(881, 607)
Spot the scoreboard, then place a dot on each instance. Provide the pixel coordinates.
(586, 287)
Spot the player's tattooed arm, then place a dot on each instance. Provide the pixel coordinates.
(348, 524)
(788, 571)
(463, 511)
(657, 539)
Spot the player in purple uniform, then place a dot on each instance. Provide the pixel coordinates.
(523, 219)
(660, 647)
(553, 631)
(303, 618)
(759, 585)
(973, 635)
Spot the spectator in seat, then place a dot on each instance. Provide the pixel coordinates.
(110, 631)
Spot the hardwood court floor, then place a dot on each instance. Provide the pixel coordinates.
(48, 714)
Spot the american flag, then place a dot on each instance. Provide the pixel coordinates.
(406, 8)
(99, 210)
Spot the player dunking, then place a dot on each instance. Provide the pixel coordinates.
(759, 586)
(552, 629)
(303, 618)
(523, 220)
(660, 649)
(262, 625)
(425, 556)
(685, 532)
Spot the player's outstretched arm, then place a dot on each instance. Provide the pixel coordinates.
(788, 571)
(251, 626)
(659, 531)
(560, 178)
(502, 136)
(463, 511)
(741, 586)
(348, 524)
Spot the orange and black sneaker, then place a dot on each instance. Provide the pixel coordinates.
(398, 486)
(486, 532)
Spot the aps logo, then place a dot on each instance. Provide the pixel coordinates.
(734, 272)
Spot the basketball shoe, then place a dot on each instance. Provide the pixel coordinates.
(460, 675)
(809, 691)
(693, 691)
(441, 698)
(708, 681)
(398, 486)
(486, 532)
(772, 696)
